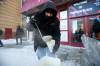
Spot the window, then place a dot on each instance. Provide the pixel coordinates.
(77, 30)
(64, 26)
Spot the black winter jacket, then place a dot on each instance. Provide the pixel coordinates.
(47, 26)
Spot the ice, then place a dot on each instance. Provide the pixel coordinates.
(49, 61)
(70, 63)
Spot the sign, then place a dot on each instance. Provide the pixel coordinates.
(86, 7)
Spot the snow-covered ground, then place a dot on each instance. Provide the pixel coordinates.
(8, 41)
(17, 55)
(24, 55)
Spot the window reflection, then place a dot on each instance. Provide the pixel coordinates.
(63, 14)
(64, 26)
(77, 30)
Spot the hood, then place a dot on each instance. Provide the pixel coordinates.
(49, 5)
(97, 20)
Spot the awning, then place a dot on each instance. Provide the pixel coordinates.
(31, 5)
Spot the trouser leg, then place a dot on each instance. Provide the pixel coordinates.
(56, 47)
(1, 44)
(41, 52)
(21, 40)
(16, 41)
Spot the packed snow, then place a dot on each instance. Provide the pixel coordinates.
(24, 55)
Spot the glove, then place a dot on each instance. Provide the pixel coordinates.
(49, 41)
(43, 44)
(56, 47)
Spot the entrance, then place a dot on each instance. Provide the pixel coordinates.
(77, 27)
(8, 33)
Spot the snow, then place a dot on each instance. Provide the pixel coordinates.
(49, 61)
(17, 56)
(24, 55)
(70, 63)
(8, 41)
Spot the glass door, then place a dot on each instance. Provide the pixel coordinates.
(77, 30)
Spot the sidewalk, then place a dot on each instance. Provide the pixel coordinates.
(11, 43)
(17, 55)
(70, 56)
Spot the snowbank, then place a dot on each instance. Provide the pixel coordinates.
(8, 41)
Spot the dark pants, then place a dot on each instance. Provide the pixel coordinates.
(56, 47)
(18, 39)
(1, 44)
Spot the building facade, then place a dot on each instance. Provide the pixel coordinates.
(73, 15)
(10, 17)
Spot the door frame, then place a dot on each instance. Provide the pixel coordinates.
(8, 33)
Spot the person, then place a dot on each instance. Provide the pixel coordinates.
(19, 34)
(96, 29)
(1, 44)
(48, 24)
(77, 35)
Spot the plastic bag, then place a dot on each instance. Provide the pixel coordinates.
(46, 58)
(49, 61)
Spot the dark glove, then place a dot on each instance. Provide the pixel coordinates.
(43, 43)
(38, 42)
(56, 47)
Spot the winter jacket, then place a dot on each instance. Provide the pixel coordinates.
(96, 28)
(47, 26)
(77, 35)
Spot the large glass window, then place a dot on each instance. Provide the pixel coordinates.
(77, 30)
(64, 26)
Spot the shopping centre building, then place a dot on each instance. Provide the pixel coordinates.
(73, 15)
